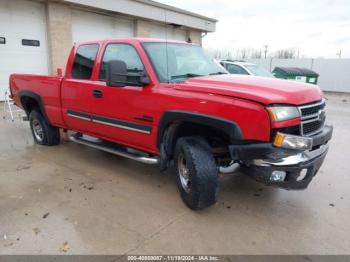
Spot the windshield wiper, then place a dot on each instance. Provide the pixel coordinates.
(218, 73)
(188, 75)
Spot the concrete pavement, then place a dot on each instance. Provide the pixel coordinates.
(71, 199)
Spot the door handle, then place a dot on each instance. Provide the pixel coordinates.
(97, 93)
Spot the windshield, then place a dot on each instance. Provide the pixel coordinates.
(258, 71)
(175, 62)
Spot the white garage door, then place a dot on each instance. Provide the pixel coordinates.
(158, 31)
(23, 44)
(90, 26)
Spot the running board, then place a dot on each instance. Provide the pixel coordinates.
(114, 149)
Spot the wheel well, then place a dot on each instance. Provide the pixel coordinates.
(211, 134)
(216, 138)
(29, 104)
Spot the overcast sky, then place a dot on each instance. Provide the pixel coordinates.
(315, 28)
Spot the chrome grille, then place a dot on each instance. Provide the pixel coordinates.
(312, 118)
(312, 110)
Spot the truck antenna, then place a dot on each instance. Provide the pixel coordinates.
(166, 46)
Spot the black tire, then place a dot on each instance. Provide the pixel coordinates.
(49, 135)
(202, 187)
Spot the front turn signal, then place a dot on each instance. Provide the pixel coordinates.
(278, 139)
(292, 142)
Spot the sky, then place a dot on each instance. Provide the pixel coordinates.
(314, 28)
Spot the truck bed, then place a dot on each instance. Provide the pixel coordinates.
(47, 87)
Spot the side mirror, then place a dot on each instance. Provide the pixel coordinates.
(116, 73)
(144, 80)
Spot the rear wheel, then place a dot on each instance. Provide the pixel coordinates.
(197, 173)
(43, 133)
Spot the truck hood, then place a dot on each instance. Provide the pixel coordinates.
(260, 89)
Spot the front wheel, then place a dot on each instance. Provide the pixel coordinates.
(197, 173)
(43, 132)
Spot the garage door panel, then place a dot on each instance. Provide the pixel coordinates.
(169, 32)
(21, 19)
(90, 26)
(123, 28)
(179, 34)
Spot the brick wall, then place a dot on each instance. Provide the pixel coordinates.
(59, 24)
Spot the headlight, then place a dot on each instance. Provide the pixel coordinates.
(282, 113)
(292, 142)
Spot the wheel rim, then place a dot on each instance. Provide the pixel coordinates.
(184, 173)
(38, 130)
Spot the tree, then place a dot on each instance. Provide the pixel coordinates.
(257, 54)
(285, 53)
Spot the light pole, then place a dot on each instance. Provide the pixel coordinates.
(265, 51)
(338, 54)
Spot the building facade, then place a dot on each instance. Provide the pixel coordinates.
(36, 36)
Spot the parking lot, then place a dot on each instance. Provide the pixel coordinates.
(71, 199)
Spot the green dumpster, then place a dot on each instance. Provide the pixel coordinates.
(295, 73)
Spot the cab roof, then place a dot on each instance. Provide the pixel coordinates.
(131, 40)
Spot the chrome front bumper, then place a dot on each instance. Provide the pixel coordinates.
(261, 160)
(298, 159)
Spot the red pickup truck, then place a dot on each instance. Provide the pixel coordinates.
(166, 102)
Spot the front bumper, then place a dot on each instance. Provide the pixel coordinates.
(261, 160)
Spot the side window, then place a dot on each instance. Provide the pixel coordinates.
(84, 61)
(123, 52)
(235, 69)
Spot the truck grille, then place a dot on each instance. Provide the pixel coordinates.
(312, 118)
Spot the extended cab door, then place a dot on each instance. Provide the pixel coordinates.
(77, 88)
(123, 114)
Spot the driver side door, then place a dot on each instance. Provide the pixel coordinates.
(122, 114)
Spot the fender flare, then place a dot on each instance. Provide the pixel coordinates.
(229, 127)
(37, 98)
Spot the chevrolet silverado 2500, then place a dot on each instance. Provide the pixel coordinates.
(168, 103)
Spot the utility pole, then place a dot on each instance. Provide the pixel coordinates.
(338, 54)
(265, 51)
